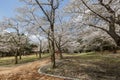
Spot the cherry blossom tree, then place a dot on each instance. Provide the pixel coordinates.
(16, 39)
(100, 14)
(47, 13)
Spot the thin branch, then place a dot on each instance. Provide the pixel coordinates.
(107, 6)
(98, 27)
(43, 10)
(95, 12)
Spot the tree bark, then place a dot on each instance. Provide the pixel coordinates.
(115, 37)
(53, 62)
(113, 33)
(61, 56)
(20, 55)
(40, 50)
(40, 55)
(51, 18)
(16, 57)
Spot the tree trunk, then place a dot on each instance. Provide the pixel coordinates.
(49, 46)
(61, 56)
(52, 55)
(49, 42)
(20, 55)
(115, 37)
(40, 48)
(16, 57)
(39, 54)
(52, 48)
(114, 50)
(112, 31)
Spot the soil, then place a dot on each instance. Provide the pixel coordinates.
(27, 71)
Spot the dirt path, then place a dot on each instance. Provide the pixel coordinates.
(27, 71)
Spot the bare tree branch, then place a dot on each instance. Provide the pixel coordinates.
(95, 12)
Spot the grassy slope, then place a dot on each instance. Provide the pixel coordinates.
(90, 66)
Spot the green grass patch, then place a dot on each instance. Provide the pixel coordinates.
(9, 61)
